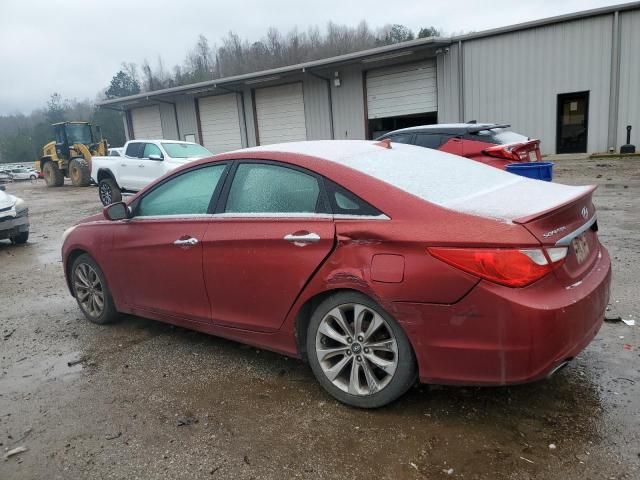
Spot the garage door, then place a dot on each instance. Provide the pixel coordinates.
(220, 123)
(402, 90)
(280, 114)
(146, 123)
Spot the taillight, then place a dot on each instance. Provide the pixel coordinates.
(518, 152)
(510, 267)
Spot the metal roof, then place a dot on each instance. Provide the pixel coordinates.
(265, 75)
(363, 55)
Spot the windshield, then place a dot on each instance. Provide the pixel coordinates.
(79, 133)
(186, 150)
(500, 136)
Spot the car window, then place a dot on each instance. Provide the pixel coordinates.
(401, 138)
(499, 136)
(266, 188)
(151, 149)
(343, 202)
(188, 193)
(185, 150)
(134, 149)
(428, 140)
(114, 153)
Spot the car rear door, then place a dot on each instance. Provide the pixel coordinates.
(269, 236)
(158, 253)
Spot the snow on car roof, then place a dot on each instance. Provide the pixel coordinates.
(450, 181)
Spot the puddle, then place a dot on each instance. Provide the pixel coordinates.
(31, 372)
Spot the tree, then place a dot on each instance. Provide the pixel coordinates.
(122, 85)
(395, 33)
(55, 109)
(429, 32)
(17, 148)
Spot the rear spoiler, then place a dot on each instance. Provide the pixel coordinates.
(479, 128)
(588, 190)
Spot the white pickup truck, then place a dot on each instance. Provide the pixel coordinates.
(142, 162)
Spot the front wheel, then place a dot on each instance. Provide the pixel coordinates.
(91, 291)
(109, 191)
(79, 172)
(358, 352)
(20, 238)
(53, 176)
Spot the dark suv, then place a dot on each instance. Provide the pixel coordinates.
(489, 143)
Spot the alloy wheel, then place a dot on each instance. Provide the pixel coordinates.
(89, 290)
(356, 349)
(105, 193)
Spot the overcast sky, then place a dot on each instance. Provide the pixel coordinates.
(74, 47)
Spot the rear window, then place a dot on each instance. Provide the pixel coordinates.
(134, 150)
(499, 136)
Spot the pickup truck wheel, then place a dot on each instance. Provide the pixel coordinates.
(52, 174)
(109, 191)
(79, 172)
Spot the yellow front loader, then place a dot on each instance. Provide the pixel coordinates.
(69, 155)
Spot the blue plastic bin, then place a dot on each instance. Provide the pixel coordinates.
(537, 170)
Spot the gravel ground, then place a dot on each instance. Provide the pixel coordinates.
(147, 400)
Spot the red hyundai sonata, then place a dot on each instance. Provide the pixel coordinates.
(367, 259)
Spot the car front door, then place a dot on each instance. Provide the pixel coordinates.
(269, 237)
(150, 167)
(158, 252)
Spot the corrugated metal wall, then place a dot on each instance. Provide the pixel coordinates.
(629, 106)
(348, 105)
(316, 108)
(168, 119)
(448, 86)
(516, 77)
(186, 110)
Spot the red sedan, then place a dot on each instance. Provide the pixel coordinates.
(367, 259)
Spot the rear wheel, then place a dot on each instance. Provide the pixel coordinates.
(52, 174)
(109, 191)
(79, 172)
(358, 352)
(91, 292)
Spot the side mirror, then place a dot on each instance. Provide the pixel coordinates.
(116, 211)
(154, 156)
(2, 188)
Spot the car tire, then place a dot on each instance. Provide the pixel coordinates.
(79, 172)
(109, 192)
(91, 291)
(52, 174)
(382, 359)
(21, 238)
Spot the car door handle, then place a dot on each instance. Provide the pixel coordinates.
(123, 164)
(186, 242)
(140, 166)
(302, 238)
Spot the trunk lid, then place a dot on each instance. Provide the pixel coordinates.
(571, 224)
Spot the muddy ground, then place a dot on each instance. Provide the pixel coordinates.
(147, 400)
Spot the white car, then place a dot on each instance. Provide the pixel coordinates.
(143, 161)
(14, 218)
(23, 174)
(116, 152)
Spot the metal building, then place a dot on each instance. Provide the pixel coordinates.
(572, 81)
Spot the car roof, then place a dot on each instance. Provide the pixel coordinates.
(161, 141)
(453, 128)
(449, 181)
